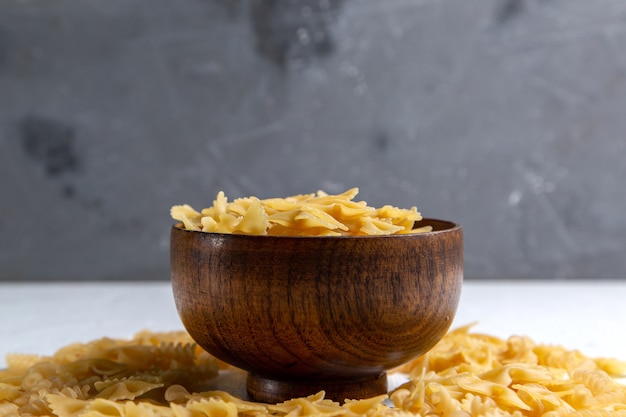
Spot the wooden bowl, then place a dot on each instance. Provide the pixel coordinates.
(305, 314)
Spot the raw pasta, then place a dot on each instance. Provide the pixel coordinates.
(163, 374)
(318, 214)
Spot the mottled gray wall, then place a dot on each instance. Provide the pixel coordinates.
(508, 116)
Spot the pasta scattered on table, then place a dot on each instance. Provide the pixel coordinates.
(317, 214)
(162, 374)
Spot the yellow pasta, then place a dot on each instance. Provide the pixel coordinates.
(165, 374)
(317, 214)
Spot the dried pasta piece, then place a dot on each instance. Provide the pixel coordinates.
(312, 218)
(8, 392)
(541, 398)
(365, 406)
(214, 407)
(279, 205)
(390, 212)
(345, 209)
(183, 411)
(85, 368)
(313, 405)
(145, 409)
(101, 407)
(516, 373)
(443, 401)
(242, 405)
(227, 223)
(611, 366)
(616, 397)
(208, 224)
(371, 226)
(254, 220)
(186, 214)
(128, 389)
(501, 394)
(560, 357)
(176, 394)
(476, 405)
(20, 361)
(62, 405)
(8, 409)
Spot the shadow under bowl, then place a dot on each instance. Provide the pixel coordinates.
(305, 314)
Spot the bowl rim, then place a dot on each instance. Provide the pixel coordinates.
(448, 226)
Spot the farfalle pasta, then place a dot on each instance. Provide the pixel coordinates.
(165, 374)
(317, 214)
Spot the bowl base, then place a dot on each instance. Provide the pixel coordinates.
(272, 391)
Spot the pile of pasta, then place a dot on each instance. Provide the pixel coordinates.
(162, 374)
(317, 214)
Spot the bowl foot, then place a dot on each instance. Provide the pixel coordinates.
(274, 391)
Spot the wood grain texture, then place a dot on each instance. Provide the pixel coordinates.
(317, 311)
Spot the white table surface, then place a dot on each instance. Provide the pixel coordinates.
(586, 315)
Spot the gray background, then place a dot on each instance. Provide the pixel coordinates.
(508, 116)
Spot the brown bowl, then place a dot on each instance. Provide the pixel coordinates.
(305, 314)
